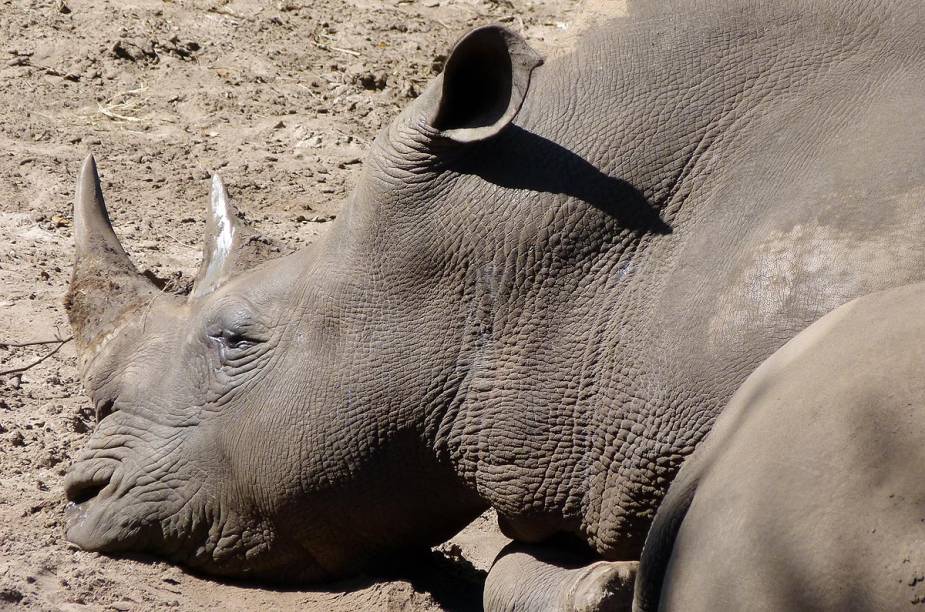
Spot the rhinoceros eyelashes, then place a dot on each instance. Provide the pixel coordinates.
(222, 236)
(233, 341)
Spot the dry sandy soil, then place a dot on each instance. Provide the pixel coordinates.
(282, 98)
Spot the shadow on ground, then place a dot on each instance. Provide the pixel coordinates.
(449, 579)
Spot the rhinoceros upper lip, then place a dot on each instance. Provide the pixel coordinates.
(85, 481)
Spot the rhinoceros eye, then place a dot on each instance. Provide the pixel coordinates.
(234, 340)
(235, 330)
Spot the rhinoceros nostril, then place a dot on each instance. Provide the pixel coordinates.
(88, 478)
(79, 492)
(104, 409)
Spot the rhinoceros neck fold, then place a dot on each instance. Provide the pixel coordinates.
(617, 300)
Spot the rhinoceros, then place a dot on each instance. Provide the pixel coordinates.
(546, 284)
(808, 492)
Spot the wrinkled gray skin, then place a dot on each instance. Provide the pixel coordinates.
(808, 493)
(544, 316)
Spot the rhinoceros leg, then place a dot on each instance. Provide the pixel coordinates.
(530, 578)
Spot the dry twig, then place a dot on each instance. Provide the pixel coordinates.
(31, 343)
(325, 47)
(40, 359)
(122, 103)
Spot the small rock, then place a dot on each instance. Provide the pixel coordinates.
(452, 551)
(409, 90)
(372, 80)
(63, 8)
(11, 595)
(134, 50)
(17, 439)
(50, 460)
(78, 425)
(437, 64)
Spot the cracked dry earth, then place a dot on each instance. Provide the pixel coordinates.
(282, 98)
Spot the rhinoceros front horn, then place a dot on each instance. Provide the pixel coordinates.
(105, 286)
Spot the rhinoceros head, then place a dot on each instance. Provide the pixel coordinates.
(281, 421)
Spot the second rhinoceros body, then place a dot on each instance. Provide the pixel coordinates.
(548, 281)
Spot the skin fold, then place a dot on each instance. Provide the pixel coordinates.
(546, 284)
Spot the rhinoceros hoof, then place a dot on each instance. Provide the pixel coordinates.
(530, 578)
(603, 586)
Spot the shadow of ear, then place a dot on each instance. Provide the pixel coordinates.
(523, 160)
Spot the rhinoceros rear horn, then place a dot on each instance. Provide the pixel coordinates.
(223, 240)
(485, 81)
(231, 246)
(105, 286)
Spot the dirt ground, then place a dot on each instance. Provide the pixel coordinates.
(282, 98)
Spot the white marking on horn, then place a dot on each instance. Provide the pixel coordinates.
(220, 234)
(223, 224)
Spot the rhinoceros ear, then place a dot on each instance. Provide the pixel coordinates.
(484, 84)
